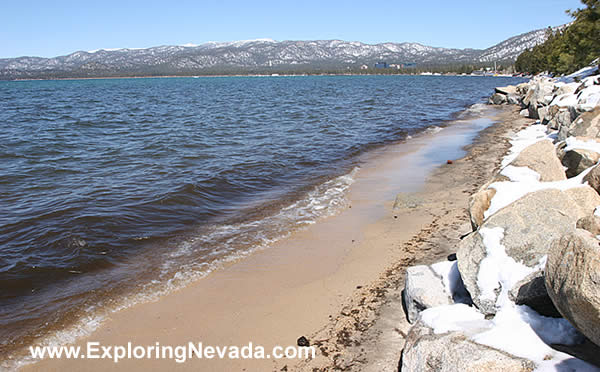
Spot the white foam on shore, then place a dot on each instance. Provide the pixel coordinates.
(476, 109)
(433, 129)
(323, 200)
(180, 268)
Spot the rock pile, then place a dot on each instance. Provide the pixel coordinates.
(557, 103)
(528, 276)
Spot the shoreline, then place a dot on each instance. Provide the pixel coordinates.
(371, 337)
(520, 293)
(303, 294)
(248, 75)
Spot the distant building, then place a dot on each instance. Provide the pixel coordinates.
(364, 67)
(397, 66)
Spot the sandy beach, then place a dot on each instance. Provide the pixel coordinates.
(338, 282)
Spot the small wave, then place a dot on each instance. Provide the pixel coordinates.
(324, 200)
(434, 129)
(477, 109)
(199, 256)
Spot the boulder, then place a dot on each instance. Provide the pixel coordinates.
(578, 160)
(529, 96)
(478, 204)
(541, 157)
(551, 113)
(563, 133)
(522, 88)
(533, 111)
(542, 113)
(587, 124)
(425, 351)
(572, 278)
(540, 95)
(593, 178)
(544, 94)
(507, 90)
(528, 223)
(498, 99)
(585, 199)
(480, 201)
(524, 112)
(560, 149)
(531, 291)
(423, 289)
(513, 99)
(590, 223)
(563, 121)
(566, 89)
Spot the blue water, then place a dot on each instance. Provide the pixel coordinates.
(109, 187)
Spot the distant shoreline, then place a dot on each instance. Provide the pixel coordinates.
(249, 75)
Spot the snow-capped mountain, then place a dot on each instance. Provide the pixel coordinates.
(511, 48)
(247, 56)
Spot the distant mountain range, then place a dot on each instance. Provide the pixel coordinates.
(256, 56)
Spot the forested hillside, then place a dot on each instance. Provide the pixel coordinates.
(568, 49)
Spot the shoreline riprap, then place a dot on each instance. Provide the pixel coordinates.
(369, 332)
(532, 261)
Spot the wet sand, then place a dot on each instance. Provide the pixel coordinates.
(336, 282)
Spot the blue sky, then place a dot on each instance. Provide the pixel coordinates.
(52, 28)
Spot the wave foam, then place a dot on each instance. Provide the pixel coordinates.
(192, 261)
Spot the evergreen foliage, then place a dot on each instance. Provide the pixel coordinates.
(568, 49)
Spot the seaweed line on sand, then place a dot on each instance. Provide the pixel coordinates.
(369, 330)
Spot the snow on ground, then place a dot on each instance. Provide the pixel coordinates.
(564, 100)
(518, 329)
(587, 81)
(525, 138)
(589, 98)
(523, 182)
(581, 74)
(586, 99)
(591, 80)
(580, 144)
(448, 271)
(498, 269)
(520, 174)
(515, 329)
(450, 318)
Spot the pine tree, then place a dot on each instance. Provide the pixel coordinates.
(567, 50)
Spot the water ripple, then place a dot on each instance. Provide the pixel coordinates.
(108, 185)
